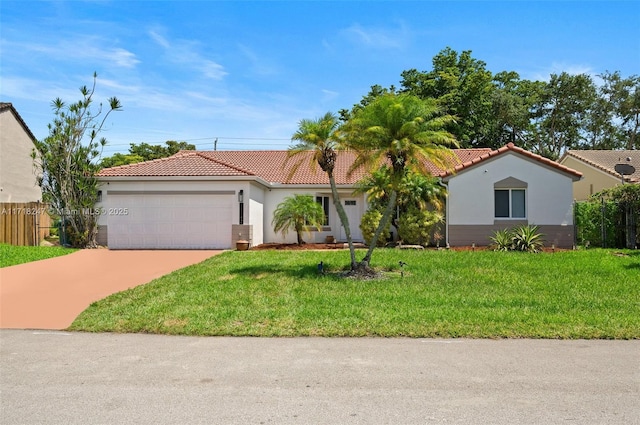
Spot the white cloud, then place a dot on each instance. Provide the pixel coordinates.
(75, 50)
(544, 74)
(258, 65)
(379, 38)
(329, 94)
(185, 53)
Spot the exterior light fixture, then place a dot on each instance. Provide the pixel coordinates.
(241, 196)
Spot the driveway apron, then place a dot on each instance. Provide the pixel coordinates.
(50, 294)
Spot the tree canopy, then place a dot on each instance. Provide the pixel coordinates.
(145, 152)
(567, 111)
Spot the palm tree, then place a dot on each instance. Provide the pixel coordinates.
(320, 137)
(402, 132)
(298, 212)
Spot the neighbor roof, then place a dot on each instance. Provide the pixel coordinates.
(511, 148)
(606, 160)
(271, 166)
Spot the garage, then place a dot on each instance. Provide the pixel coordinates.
(169, 219)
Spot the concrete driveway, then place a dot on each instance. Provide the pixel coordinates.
(49, 294)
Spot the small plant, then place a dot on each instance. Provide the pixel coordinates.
(527, 239)
(502, 240)
(522, 238)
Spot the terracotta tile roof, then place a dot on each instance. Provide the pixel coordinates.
(186, 163)
(268, 165)
(510, 148)
(606, 160)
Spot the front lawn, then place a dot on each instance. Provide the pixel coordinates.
(482, 294)
(11, 255)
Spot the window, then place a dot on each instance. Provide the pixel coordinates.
(324, 201)
(510, 203)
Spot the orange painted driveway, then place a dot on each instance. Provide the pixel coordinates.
(50, 294)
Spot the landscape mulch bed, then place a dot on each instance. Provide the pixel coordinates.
(321, 246)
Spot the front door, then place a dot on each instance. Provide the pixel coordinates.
(353, 209)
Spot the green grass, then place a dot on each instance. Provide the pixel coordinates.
(482, 294)
(11, 255)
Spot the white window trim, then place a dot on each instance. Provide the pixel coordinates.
(510, 217)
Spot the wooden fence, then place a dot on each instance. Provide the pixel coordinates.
(24, 223)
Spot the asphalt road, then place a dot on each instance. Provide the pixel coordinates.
(71, 378)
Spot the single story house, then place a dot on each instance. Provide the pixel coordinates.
(598, 169)
(505, 188)
(18, 177)
(211, 199)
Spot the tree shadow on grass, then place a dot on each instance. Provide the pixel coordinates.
(304, 271)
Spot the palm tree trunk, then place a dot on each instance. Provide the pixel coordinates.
(386, 217)
(344, 220)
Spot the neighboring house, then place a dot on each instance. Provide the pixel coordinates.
(506, 188)
(598, 169)
(212, 199)
(18, 178)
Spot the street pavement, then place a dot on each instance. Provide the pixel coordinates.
(51, 377)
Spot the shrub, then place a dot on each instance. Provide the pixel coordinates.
(415, 226)
(369, 224)
(522, 238)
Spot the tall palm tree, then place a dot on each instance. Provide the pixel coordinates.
(402, 132)
(320, 137)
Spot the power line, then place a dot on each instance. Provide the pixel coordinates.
(253, 139)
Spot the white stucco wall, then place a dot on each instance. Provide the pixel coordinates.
(549, 194)
(275, 196)
(256, 212)
(18, 181)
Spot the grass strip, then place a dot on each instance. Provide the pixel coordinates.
(11, 255)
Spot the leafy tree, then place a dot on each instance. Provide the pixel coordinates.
(511, 102)
(297, 212)
(319, 136)
(403, 132)
(621, 100)
(463, 87)
(145, 152)
(118, 159)
(66, 162)
(561, 113)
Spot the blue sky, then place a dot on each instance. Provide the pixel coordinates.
(246, 72)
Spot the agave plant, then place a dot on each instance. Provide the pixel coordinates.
(522, 238)
(502, 240)
(527, 239)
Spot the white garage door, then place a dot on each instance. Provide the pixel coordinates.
(169, 220)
